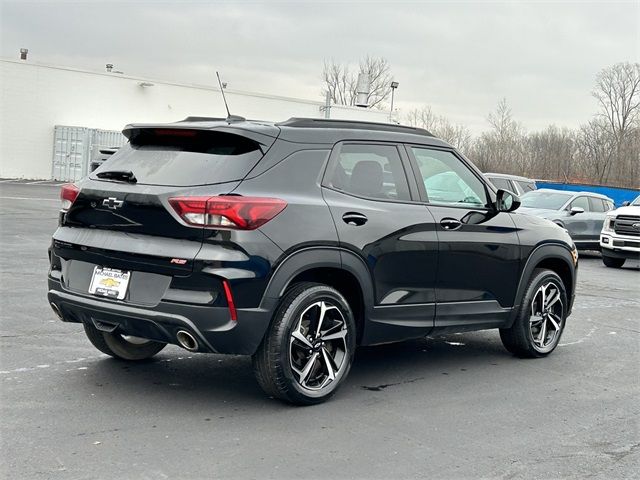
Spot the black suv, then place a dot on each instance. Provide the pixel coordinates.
(295, 242)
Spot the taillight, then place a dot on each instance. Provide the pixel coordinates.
(68, 194)
(234, 212)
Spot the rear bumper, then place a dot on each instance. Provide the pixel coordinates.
(211, 326)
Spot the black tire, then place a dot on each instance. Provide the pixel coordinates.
(525, 337)
(275, 361)
(117, 346)
(612, 262)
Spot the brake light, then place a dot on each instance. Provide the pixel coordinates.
(68, 194)
(233, 212)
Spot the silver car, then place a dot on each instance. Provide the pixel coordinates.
(580, 213)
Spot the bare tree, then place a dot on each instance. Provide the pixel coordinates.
(502, 148)
(340, 81)
(551, 153)
(618, 93)
(596, 150)
(605, 151)
(456, 135)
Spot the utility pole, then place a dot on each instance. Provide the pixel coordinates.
(327, 106)
(394, 85)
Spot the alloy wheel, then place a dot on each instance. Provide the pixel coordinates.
(547, 316)
(318, 350)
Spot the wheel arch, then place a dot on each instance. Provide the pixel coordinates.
(555, 257)
(339, 268)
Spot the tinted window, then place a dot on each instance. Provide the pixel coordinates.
(546, 200)
(447, 180)
(526, 186)
(582, 202)
(502, 183)
(597, 205)
(184, 157)
(370, 171)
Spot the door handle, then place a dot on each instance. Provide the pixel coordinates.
(450, 223)
(354, 218)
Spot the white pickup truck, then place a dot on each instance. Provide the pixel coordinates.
(620, 236)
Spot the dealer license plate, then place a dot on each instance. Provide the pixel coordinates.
(109, 282)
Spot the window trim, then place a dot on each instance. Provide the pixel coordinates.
(488, 187)
(333, 160)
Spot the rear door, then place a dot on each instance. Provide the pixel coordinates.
(599, 209)
(377, 219)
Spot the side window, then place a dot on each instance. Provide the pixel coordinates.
(502, 183)
(582, 202)
(370, 171)
(448, 180)
(608, 205)
(597, 204)
(526, 186)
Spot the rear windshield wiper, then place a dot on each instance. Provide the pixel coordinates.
(122, 175)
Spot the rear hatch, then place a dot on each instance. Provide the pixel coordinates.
(122, 218)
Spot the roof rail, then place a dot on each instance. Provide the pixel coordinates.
(351, 124)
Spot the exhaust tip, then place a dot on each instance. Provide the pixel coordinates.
(187, 341)
(56, 310)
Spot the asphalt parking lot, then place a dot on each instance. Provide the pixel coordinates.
(448, 407)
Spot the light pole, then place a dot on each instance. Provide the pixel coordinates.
(394, 85)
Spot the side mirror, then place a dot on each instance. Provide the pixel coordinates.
(576, 210)
(507, 201)
(626, 203)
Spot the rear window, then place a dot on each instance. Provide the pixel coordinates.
(176, 157)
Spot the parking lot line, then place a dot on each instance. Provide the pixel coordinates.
(30, 198)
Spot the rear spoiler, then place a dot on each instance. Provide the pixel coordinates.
(262, 133)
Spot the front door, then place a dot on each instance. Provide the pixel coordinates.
(377, 219)
(479, 250)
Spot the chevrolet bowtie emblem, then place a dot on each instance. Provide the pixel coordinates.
(112, 203)
(109, 282)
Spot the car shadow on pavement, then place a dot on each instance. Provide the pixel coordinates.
(596, 256)
(175, 380)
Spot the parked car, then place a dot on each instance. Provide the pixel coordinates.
(294, 243)
(582, 214)
(512, 183)
(620, 237)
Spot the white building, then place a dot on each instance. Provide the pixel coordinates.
(36, 97)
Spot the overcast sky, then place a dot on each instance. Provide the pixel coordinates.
(460, 57)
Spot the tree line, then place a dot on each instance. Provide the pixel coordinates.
(603, 151)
